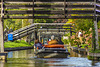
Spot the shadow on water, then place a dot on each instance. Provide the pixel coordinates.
(25, 58)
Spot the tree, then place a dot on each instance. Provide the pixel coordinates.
(83, 24)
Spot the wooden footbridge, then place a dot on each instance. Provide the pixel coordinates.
(42, 27)
(49, 9)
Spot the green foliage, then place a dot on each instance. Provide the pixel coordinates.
(90, 57)
(32, 43)
(84, 45)
(66, 41)
(98, 24)
(76, 46)
(16, 43)
(41, 20)
(83, 24)
(68, 34)
(95, 51)
(93, 39)
(15, 24)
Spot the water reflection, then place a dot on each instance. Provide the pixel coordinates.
(71, 61)
(25, 58)
(10, 54)
(76, 54)
(2, 63)
(21, 54)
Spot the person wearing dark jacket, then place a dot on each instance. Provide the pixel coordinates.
(38, 45)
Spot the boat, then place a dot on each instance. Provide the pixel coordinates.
(52, 51)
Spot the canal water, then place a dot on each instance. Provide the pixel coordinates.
(26, 58)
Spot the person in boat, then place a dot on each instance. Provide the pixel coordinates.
(38, 44)
(48, 40)
(53, 41)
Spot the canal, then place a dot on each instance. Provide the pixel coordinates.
(26, 58)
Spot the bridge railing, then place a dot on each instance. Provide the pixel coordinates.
(49, 9)
(23, 32)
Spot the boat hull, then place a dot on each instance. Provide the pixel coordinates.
(52, 53)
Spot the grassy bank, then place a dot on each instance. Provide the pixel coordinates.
(17, 43)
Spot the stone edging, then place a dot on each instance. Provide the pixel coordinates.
(18, 48)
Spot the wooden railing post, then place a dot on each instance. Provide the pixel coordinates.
(33, 11)
(65, 9)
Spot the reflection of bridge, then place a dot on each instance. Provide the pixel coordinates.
(42, 27)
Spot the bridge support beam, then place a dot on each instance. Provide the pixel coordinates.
(39, 36)
(35, 35)
(1, 36)
(70, 31)
(3, 55)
